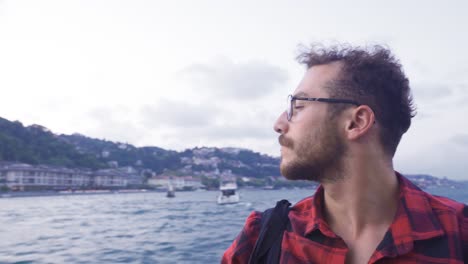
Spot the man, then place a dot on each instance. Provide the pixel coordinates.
(342, 128)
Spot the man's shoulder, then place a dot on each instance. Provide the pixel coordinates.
(441, 204)
(438, 204)
(242, 246)
(254, 220)
(432, 215)
(252, 223)
(452, 215)
(445, 204)
(304, 205)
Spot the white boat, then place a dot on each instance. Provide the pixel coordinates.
(228, 193)
(170, 191)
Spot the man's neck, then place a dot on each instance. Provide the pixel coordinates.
(366, 198)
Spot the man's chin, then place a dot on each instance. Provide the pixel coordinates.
(291, 172)
(294, 171)
(285, 168)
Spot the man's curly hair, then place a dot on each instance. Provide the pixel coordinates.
(371, 76)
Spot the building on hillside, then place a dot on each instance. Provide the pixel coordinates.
(161, 181)
(180, 183)
(109, 178)
(187, 183)
(20, 177)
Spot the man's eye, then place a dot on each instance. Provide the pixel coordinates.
(298, 106)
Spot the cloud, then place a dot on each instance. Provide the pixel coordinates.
(256, 137)
(460, 140)
(184, 125)
(221, 132)
(443, 158)
(246, 81)
(218, 104)
(208, 121)
(441, 92)
(440, 100)
(178, 114)
(461, 94)
(113, 123)
(431, 92)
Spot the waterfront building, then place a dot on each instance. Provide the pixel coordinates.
(20, 177)
(180, 183)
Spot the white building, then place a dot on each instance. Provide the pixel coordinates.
(178, 182)
(18, 176)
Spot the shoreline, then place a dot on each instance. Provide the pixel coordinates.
(67, 193)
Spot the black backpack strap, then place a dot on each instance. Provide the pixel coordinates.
(273, 223)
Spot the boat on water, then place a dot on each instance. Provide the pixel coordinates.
(170, 191)
(228, 193)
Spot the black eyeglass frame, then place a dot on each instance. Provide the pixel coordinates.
(291, 98)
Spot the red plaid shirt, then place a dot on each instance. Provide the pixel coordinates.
(426, 229)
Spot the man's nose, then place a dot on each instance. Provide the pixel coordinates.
(281, 124)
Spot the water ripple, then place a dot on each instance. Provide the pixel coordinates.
(127, 228)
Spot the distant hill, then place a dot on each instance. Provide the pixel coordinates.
(240, 162)
(36, 144)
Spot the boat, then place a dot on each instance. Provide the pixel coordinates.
(228, 193)
(170, 191)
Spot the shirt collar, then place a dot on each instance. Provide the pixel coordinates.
(312, 218)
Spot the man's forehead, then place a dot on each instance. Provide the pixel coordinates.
(316, 79)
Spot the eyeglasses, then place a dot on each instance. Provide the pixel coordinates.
(292, 99)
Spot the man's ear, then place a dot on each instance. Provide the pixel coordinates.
(360, 120)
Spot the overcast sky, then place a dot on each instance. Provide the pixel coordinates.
(181, 74)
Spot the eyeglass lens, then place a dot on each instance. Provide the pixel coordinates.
(289, 107)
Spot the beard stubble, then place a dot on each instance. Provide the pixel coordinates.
(317, 157)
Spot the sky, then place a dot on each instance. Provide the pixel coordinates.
(181, 74)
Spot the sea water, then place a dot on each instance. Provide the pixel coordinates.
(133, 227)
